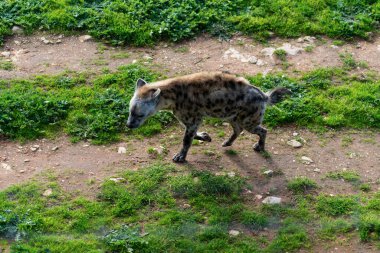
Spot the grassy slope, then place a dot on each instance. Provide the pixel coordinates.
(163, 208)
(140, 22)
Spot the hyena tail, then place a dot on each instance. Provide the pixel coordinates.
(277, 94)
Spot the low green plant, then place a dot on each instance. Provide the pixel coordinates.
(6, 65)
(347, 175)
(301, 185)
(280, 54)
(336, 205)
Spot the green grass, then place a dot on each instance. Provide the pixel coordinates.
(6, 65)
(301, 185)
(349, 176)
(145, 213)
(280, 54)
(147, 22)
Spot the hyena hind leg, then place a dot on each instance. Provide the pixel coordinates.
(237, 130)
(262, 133)
(202, 136)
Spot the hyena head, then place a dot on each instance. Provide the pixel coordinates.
(143, 104)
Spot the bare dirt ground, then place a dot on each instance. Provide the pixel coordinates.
(81, 167)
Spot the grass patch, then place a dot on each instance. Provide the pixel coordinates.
(349, 176)
(280, 54)
(336, 205)
(6, 65)
(301, 185)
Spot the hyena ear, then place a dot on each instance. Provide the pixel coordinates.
(156, 93)
(140, 83)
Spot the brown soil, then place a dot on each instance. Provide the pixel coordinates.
(82, 167)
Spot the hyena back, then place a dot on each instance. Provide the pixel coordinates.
(195, 96)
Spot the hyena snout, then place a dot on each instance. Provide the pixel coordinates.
(131, 123)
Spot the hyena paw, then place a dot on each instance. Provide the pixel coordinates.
(226, 144)
(257, 147)
(204, 136)
(179, 158)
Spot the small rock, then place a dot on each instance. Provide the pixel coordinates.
(26, 160)
(317, 170)
(268, 51)
(231, 174)
(334, 47)
(306, 160)
(186, 206)
(122, 150)
(290, 49)
(358, 46)
(6, 54)
(61, 36)
(17, 30)
(35, 148)
(58, 41)
(295, 134)
(55, 148)
(233, 232)
(225, 124)
(17, 42)
(309, 39)
(22, 171)
(6, 167)
(134, 61)
(378, 48)
(45, 41)
(252, 60)
(294, 143)
(258, 196)
(271, 200)
(117, 179)
(260, 62)
(86, 145)
(47, 192)
(148, 57)
(85, 38)
(268, 173)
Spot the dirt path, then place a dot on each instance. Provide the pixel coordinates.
(31, 55)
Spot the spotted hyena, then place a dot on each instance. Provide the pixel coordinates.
(192, 97)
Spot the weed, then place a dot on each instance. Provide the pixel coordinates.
(309, 48)
(365, 187)
(336, 205)
(6, 65)
(182, 49)
(280, 54)
(221, 134)
(348, 61)
(122, 55)
(349, 176)
(338, 43)
(290, 238)
(231, 152)
(301, 185)
(347, 140)
(330, 228)
(254, 220)
(369, 226)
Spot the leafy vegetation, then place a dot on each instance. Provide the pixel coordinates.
(162, 208)
(301, 185)
(146, 22)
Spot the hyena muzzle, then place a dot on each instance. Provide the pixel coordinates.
(195, 96)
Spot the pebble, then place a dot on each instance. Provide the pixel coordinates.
(6, 167)
(117, 179)
(231, 174)
(306, 160)
(290, 49)
(294, 143)
(47, 192)
(271, 200)
(317, 170)
(122, 150)
(260, 62)
(17, 30)
(17, 42)
(258, 196)
(22, 171)
(234, 233)
(268, 173)
(55, 148)
(85, 38)
(295, 134)
(186, 206)
(35, 148)
(6, 54)
(268, 51)
(26, 160)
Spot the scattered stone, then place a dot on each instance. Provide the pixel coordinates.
(272, 200)
(306, 160)
(233, 232)
(148, 57)
(378, 48)
(134, 61)
(117, 179)
(268, 51)
(290, 49)
(45, 41)
(352, 155)
(35, 148)
(47, 192)
(358, 46)
(86, 145)
(294, 143)
(122, 150)
(317, 170)
(22, 171)
(161, 150)
(55, 148)
(295, 134)
(334, 46)
(58, 41)
(231, 174)
(258, 196)
(61, 36)
(186, 206)
(260, 62)
(252, 60)
(6, 54)
(6, 167)
(26, 160)
(17, 30)
(17, 42)
(225, 124)
(85, 38)
(309, 39)
(268, 173)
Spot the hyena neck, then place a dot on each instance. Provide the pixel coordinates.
(166, 101)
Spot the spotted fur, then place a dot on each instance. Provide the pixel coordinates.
(192, 97)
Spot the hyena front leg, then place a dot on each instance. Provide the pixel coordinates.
(262, 133)
(237, 130)
(203, 136)
(191, 130)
